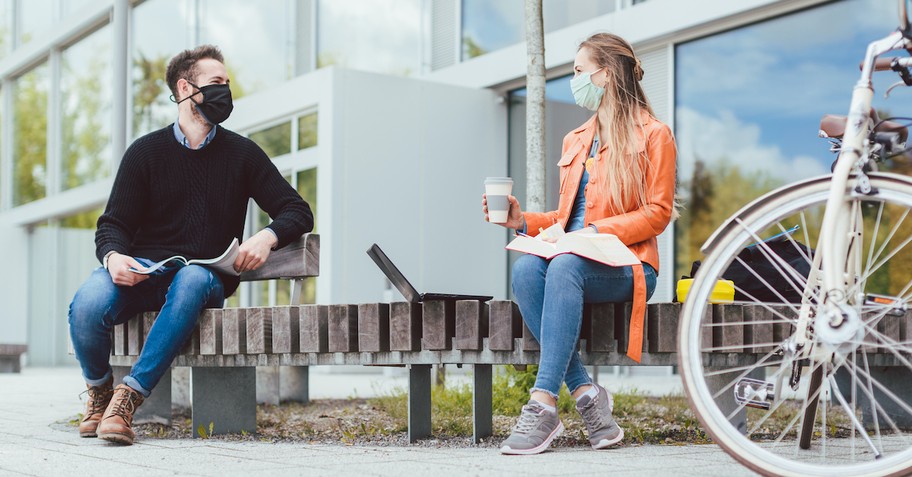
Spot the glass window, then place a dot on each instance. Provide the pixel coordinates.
(307, 131)
(307, 188)
(5, 28)
(255, 37)
(151, 52)
(34, 17)
(85, 87)
(749, 103)
(30, 135)
(83, 220)
(70, 6)
(275, 140)
(374, 35)
(489, 26)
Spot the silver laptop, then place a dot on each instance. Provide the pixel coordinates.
(402, 284)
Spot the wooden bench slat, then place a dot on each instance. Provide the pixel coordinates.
(120, 339)
(314, 325)
(471, 324)
(601, 328)
(662, 327)
(374, 327)
(298, 259)
(343, 328)
(286, 332)
(259, 330)
(210, 332)
(134, 336)
(234, 331)
(405, 326)
(438, 325)
(504, 325)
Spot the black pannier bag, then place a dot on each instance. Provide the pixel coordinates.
(797, 255)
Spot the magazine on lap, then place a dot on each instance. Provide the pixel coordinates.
(224, 263)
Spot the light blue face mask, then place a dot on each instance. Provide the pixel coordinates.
(585, 93)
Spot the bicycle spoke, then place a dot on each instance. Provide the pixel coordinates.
(839, 397)
(778, 263)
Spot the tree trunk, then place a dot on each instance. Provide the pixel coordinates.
(535, 107)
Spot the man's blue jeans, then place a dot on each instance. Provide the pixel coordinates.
(551, 294)
(180, 292)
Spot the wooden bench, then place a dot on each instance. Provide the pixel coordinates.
(11, 357)
(229, 344)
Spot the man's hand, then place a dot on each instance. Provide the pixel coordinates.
(254, 251)
(119, 267)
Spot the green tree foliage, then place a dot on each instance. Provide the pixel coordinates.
(712, 194)
(30, 105)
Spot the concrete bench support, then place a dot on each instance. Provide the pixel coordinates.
(419, 402)
(157, 407)
(482, 412)
(11, 357)
(224, 398)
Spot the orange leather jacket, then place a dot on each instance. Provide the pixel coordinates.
(636, 227)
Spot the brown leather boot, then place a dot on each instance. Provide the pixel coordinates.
(117, 423)
(99, 398)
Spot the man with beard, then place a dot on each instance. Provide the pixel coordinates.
(182, 190)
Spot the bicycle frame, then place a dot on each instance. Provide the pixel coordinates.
(838, 220)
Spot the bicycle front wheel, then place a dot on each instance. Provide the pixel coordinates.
(748, 367)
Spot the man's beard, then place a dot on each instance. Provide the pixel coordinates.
(195, 114)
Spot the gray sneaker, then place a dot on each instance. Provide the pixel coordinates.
(596, 412)
(534, 432)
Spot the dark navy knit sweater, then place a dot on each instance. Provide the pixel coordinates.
(170, 200)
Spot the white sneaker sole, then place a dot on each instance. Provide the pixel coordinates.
(604, 443)
(535, 450)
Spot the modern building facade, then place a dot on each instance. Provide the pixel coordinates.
(386, 115)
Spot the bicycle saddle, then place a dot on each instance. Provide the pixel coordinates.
(833, 126)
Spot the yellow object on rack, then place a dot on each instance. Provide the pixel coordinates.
(723, 292)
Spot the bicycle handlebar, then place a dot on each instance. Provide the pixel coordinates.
(886, 64)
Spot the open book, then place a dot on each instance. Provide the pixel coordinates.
(223, 263)
(604, 248)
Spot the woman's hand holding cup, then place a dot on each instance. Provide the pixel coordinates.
(514, 214)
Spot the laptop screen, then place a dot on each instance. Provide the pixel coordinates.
(395, 276)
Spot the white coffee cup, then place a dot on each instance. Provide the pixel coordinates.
(497, 190)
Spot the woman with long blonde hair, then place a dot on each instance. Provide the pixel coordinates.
(617, 176)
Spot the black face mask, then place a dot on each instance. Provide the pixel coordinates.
(216, 105)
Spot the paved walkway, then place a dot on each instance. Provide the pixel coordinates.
(35, 403)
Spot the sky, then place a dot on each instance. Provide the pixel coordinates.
(755, 96)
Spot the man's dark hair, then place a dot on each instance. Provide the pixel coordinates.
(183, 65)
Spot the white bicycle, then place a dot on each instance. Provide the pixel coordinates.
(815, 381)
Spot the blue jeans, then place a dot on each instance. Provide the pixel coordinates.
(180, 292)
(551, 294)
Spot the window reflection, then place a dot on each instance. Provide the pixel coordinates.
(30, 135)
(151, 52)
(383, 36)
(5, 28)
(275, 140)
(488, 26)
(34, 17)
(749, 103)
(307, 131)
(255, 37)
(85, 86)
(307, 187)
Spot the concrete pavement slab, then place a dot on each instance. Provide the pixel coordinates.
(37, 404)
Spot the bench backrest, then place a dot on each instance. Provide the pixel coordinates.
(298, 259)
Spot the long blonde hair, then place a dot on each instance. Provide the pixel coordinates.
(625, 102)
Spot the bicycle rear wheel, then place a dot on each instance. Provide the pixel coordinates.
(747, 373)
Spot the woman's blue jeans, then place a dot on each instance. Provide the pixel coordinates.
(551, 293)
(179, 292)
